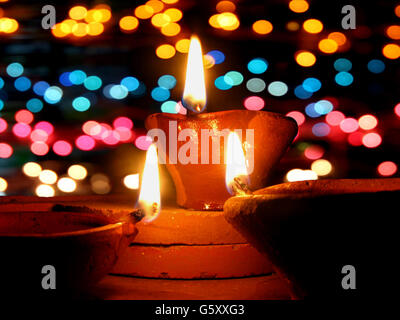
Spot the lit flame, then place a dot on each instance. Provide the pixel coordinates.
(236, 176)
(194, 94)
(149, 197)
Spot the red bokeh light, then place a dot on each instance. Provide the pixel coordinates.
(39, 148)
(314, 152)
(39, 135)
(5, 150)
(123, 122)
(298, 116)
(371, 140)
(46, 126)
(387, 168)
(21, 130)
(334, 118)
(397, 110)
(349, 125)
(24, 116)
(62, 148)
(355, 139)
(3, 125)
(85, 142)
(254, 103)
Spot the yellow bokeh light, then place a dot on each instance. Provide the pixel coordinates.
(8, 25)
(156, 5)
(301, 175)
(67, 25)
(313, 26)
(58, 32)
(80, 29)
(393, 32)
(95, 28)
(171, 29)
(131, 181)
(160, 20)
(32, 169)
(391, 51)
(174, 14)
(338, 37)
(77, 172)
(368, 122)
(165, 51)
(305, 58)
(66, 185)
(3, 184)
(208, 61)
(262, 27)
(170, 1)
(225, 6)
(48, 176)
(328, 45)
(182, 45)
(321, 167)
(298, 6)
(128, 23)
(228, 21)
(213, 21)
(292, 26)
(144, 12)
(43, 190)
(77, 12)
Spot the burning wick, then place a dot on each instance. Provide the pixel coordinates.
(149, 197)
(236, 176)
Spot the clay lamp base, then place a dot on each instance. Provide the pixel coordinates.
(310, 230)
(83, 247)
(201, 186)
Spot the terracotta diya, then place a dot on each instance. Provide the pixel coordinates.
(200, 182)
(82, 246)
(310, 230)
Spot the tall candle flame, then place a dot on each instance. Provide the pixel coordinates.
(149, 197)
(236, 176)
(194, 94)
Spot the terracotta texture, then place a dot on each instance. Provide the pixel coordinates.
(202, 186)
(268, 287)
(309, 230)
(192, 262)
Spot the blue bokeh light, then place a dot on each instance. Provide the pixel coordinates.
(64, 79)
(257, 66)
(130, 83)
(118, 92)
(53, 94)
(233, 78)
(22, 84)
(92, 83)
(376, 66)
(34, 105)
(15, 69)
(342, 64)
(77, 77)
(160, 94)
(221, 84)
(169, 107)
(40, 87)
(321, 129)
(1, 83)
(81, 104)
(166, 81)
(217, 55)
(311, 112)
(301, 93)
(323, 107)
(344, 79)
(1, 104)
(312, 84)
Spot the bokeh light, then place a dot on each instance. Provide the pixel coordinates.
(62, 148)
(48, 176)
(376, 66)
(314, 152)
(262, 27)
(5, 150)
(298, 6)
(3, 184)
(321, 167)
(391, 51)
(344, 78)
(371, 140)
(305, 58)
(257, 66)
(66, 185)
(349, 125)
(334, 118)
(367, 122)
(298, 116)
(277, 88)
(77, 172)
(301, 175)
(165, 51)
(313, 26)
(131, 181)
(387, 168)
(256, 85)
(254, 103)
(32, 169)
(44, 190)
(342, 64)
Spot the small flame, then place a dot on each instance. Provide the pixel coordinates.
(194, 94)
(149, 197)
(236, 176)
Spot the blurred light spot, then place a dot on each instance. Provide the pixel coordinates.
(321, 129)
(254, 103)
(342, 64)
(393, 32)
(228, 21)
(156, 5)
(77, 172)
(131, 181)
(1, 83)
(169, 107)
(314, 152)
(22, 84)
(298, 116)
(217, 55)
(311, 84)
(257, 65)
(262, 27)
(24, 116)
(21, 130)
(323, 107)
(371, 140)
(118, 92)
(225, 6)
(39, 148)
(397, 110)
(32, 169)
(85, 142)
(143, 142)
(387, 168)
(305, 58)
(355, 139)
(174, 14)
(123, 122)
(77, 12)
(128, 23)
(53, 94)
(321, 167)
(313, 26)
(3, 125)
(328, 46)
(349, 125)
(130, 83)
(48, 176)
(34, 105)
(167, 81)
(300, 93)
(182, 45)
(344, 78)
(301, 175)
(62, 148)
(81, 104)
(367, 122)
(376, 66)
(40, 87)
(46, 126)
(171, 29)
(334, 118)
(277, 88)
(165, 51)
(66, 185)
(77, 77)
(5, 150)
(160, 94)
(95, 28)
(391, 51)
(100, 183)
(338, 37)
(256, 85)
(292, 26)
(44, 190)
(298, 6)
(80, 29)
(3, 184)
(234, 78)
(39, 135)
(144, 12)
(221, 84)
(15, 69)
(92, 83)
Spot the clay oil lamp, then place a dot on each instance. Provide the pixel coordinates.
(311, 230)
(199, 181)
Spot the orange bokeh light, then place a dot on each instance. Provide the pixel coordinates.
(95, 28)
(393, 32)
(262, 27)
(391, 51)
(144, 12)
(305, 58)
(225, 6)
(80, 29)
(174, 14)
(128, 23)
(298, 6)
(77, 12)
(156, 5)
(171, 29)
(313, 26)
(328, 46)
(338, 37)
(182, 45)
(165, 51)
